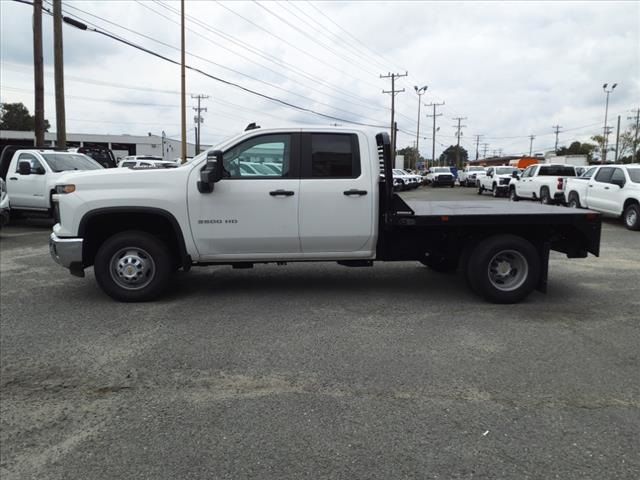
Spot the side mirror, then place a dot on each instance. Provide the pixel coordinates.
(24, 168)
(618, 182)
(515, 175)
(212, 172)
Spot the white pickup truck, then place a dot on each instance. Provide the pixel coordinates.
(328, 203)
(32, 174)
(440, 176)
(612, 190)
(542, 182)
(496, 181)
(470, 175)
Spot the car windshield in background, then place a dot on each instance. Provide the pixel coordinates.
(634, 174)
(62, 162)
(476, 169)
(557, 171)
(442, 170)
(505, 171)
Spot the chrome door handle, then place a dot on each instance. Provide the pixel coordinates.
(606, 188)
(354, 191)
(281, 193)
(13, 178)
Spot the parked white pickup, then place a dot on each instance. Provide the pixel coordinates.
(32, 176)
(470, 175)
(542, 182)
(496, 181)
(612, 190)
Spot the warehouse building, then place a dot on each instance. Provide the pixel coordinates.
(121, 145)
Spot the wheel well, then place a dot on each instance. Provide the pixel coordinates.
(99, 227)
(629, 201)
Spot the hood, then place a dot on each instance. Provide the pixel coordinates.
(118, 178)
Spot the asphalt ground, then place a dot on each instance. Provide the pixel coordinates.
(320, 371)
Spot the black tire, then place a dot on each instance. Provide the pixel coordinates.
(453, 185)
(494, 191)
(574, 200)
(631, 217)
(480, 189)
(150, 251)
(504, 251)
(545, 196)
(513, 196)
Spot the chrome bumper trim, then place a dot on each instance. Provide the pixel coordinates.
(65, 251)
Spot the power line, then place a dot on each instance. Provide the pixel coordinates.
(84, 26)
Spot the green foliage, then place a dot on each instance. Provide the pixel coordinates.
(411, 157)
(15, 116)
(577, 148)
(449, 156)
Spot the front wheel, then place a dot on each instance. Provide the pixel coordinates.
(504, 269)
(133, 266)
(494, 191)
(632, 217)
(513, 196)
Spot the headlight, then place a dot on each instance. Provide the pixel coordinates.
(62, 189)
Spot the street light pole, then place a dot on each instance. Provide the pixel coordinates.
(420, 92)
(605, 130)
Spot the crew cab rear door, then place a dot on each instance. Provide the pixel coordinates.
(249, 216)
(337, 195)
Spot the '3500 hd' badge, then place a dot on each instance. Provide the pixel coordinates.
(217, 221)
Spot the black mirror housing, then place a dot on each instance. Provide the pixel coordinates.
(212, 172)
(24, 168)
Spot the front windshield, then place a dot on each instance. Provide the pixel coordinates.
(476, 169)
(505, 171)
(442, 170)
(62, 162)
(399, 172)
(634, 174)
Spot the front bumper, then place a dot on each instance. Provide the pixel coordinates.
(67, 252)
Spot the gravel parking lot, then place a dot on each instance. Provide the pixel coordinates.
(320, 371)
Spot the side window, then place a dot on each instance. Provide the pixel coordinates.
(618, 177)
(527, 173)
(333, 155)
(128, 164)
(589, 173)
(36, 166)
(604, 174)
(489, 171)
(246, 159)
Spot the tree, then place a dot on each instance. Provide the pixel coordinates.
(15, 116)
(449, 156)
(411, 157)
(577, 148)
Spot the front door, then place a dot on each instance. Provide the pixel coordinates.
(28, 191)
(337, 194)
(252, 213)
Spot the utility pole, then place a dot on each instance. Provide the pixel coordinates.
(458, 134)
(531, 139)
(557, 131)
(198, 118)
(393, 93)
(635, 137)
(485, 147)
(433, 139)
(477, 146)
(420, 91)
(61, 128)
(38, 73)
(615, 157)
(183, 87)
(605, 129)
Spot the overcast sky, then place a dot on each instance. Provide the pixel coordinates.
(511, 68)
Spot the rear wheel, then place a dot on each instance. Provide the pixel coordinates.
(133, 266)
(504, 268)
(545, 197)
(574, 200)
(632, 216)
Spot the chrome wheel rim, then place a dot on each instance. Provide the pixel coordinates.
(573, 203)
(508, 270)
(132, 268)
(632, 217)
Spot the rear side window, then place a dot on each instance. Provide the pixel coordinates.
(557, 171)
(128, 164)
(604, 174)
(333, 155)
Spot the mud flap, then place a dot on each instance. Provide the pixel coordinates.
(544, 267)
